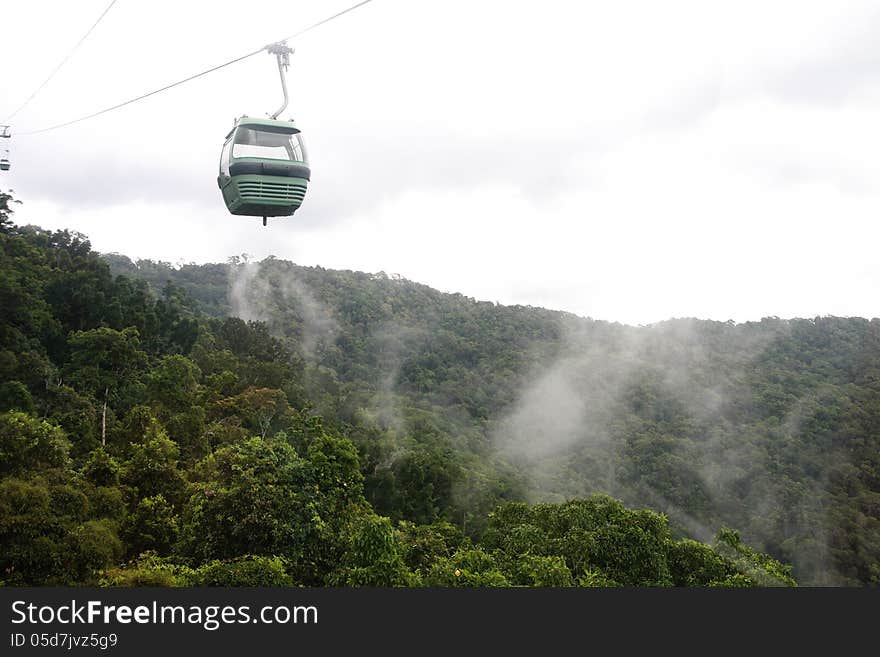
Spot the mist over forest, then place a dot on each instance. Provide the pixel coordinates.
(263, 423)
(768, 427)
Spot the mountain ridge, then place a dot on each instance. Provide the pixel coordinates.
(684, 415)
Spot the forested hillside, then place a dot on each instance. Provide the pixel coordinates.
(270, 424)
(772, 427)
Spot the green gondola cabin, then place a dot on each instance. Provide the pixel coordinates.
(264, 168)
(4, 152)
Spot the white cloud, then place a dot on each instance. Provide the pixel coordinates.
(631, 161)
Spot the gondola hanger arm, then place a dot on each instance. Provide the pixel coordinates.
(282, 53)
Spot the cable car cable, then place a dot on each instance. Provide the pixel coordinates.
(192, 77)
(147, 95)
(62, 63)
(326, 20)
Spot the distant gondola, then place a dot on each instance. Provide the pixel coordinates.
(4, 152)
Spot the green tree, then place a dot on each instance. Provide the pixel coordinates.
(152, 526)
(28, 444)
(247, 570)
(101, 469)
(260, 409)
(103, 363)
(46, 537)
(264, 498)
(250, 498)
(173, 385)
(14, 395)
(152, 467)
(90, 548)
(422, 545)
(761, 569)
(374, 556)
(6, 211)
(466, 568)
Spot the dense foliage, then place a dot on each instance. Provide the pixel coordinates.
(352, 429)
(772, 427)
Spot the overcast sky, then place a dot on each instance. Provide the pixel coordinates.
(631, 160)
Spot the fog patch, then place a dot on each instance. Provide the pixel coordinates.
(271, 292)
